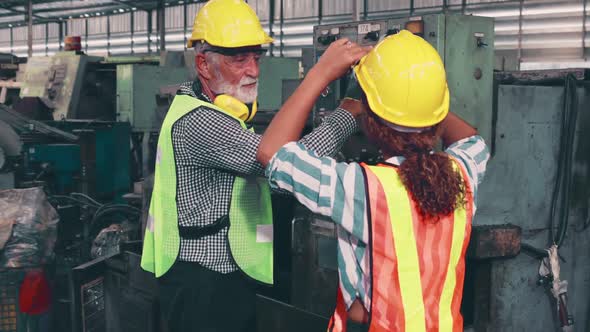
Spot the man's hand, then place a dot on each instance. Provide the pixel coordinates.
(353, 106)
(338, 59)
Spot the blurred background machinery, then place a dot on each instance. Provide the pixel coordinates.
(535, 125)
(84, 129)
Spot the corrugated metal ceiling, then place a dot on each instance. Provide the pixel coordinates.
(549, 29)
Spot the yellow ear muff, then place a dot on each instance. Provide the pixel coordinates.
(235, 107)
(232, 106)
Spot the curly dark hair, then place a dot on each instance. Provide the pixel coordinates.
(435, 186)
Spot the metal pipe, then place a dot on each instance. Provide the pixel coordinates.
(365, 9)
(271, 22)
(161, 14)
(85, 36)
(282, 21)
(108, 35)
(30, 25)
(12, 41)
(320, 11)
(60, 36)
(132, 29)
(519, 51)
(132, 59)
(150, 30)
(584, 31)
(46, 38)
(185, 25)
(356, 15)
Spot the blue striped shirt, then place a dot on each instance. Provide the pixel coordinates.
(337, 190)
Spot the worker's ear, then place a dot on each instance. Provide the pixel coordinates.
(203, 67)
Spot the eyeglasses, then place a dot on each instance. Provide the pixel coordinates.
(239, 58)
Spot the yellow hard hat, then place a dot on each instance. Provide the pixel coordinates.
(228, 23)
(404, 80)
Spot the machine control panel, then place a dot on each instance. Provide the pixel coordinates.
(363, 34)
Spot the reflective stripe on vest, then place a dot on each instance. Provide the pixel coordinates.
(417, 267)
(250, 215)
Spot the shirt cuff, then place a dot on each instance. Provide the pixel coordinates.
(471, 139)
(343, 120)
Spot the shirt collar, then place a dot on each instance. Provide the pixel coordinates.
(198, 90)
(397, 160)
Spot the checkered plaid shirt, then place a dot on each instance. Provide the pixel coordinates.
(210, 150)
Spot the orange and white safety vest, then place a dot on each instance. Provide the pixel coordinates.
(417, 266)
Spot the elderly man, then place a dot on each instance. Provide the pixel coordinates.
(209, 229)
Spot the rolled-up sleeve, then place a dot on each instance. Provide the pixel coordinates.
(335, 190)
(332, 189)
(474, 154)
(331, 134)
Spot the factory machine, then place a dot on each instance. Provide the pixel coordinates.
(60, 135)
(85, 128)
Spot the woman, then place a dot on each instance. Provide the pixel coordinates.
(404, 224)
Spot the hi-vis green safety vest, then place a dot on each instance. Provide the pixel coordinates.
(250, 212)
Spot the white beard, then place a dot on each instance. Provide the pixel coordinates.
(238, 91)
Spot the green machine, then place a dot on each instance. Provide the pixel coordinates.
(144, 91)
(137, 87)
(60, 161)
(464, 42)
(139, 84)
(96, 163)
(273, 71)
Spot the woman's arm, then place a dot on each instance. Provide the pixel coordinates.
(288, 123)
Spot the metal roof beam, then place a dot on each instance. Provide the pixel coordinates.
(10, 9)
(131, 5)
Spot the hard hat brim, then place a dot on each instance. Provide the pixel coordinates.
(258, 42)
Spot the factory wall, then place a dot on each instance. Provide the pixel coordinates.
(532, 32)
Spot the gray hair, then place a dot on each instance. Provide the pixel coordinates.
(201, 47)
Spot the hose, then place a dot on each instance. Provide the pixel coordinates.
(73, 199)
(563, 182)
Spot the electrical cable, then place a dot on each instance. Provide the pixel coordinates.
(90, 199)
(560, 198)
